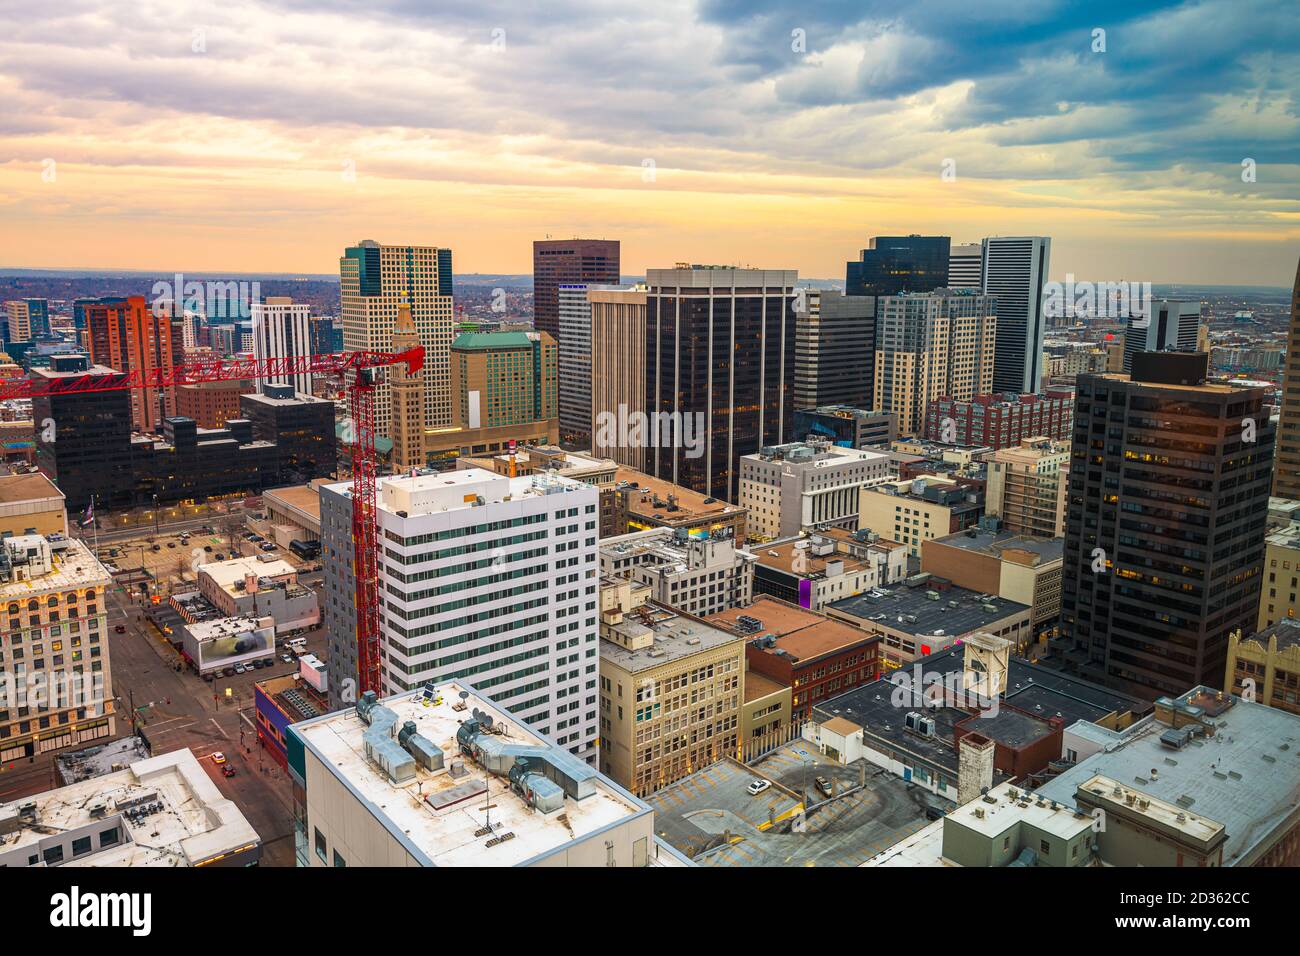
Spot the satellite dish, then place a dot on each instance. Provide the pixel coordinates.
(464, 695)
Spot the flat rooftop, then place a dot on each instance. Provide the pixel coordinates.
(225, 574)
(691, 504)
(997, 543)
(440, 492)
(1243, 777)
(1005, 805)
(711, 817)
(73, 567)
(302, 498)
(908, 608)
(446, 836)
(760, 685)
(802, 633)
(30, 487)
(187, 820)
(675, 636)
(782, 557)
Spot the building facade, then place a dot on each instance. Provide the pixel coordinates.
(696, 574)
(834, 339)
(558, 262)
(374, 280)
(1169, 327)
(1014, 270)
(1025, 488)
(719, 371)
(618, 377)
(574, 373)
(282, 330)
(504, 378)
(129, 336)
(1001, 420)
(1164, 545)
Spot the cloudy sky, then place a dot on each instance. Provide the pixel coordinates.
(265, 135)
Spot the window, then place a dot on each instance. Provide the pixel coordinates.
(1044, 847)
(53, 855)
(320, 846)
(338, 860)
(108, 838)
(80, 846)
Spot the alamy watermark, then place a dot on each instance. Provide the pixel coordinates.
(961, 689)
(624, 429)
(1099, 300)
(213, 298)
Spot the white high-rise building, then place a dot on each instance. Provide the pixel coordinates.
(1168, 327)
(966, 266)
(575, 365)
(1014, 270)
(484, 578)
(282, 330)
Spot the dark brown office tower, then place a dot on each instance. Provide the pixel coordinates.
(126, 335)
(1165, 520)
(559, 262)
(719, 366)
(1286, 472)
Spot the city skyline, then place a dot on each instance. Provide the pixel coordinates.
(752, 135)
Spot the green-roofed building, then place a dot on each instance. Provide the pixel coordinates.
(504, 378)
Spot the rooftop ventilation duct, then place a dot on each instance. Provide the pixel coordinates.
(381, 747)
(541, 775)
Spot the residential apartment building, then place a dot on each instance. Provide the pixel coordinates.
(929, 346)
(1001, 420)
(374, 280)
(719, 371)
(798, 487)
(55, 649)
(558, 262)
(695, 574)
(26, 319)
(1025, 488)
(671, 689)
(916, 510)
(618, 371)
(484, 577)
(129, 336)
(834, 339)
(1164, 553)
(1014, 270)
(282, 330)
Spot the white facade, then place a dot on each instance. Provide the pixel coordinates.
(801, 487)
(282, 330)
(700, 576)
(575, 364)
(1014, 270)
(494, 580)
(966, 266)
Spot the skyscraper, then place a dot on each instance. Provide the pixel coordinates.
(1286, 476)
(834, 345)
(281, 330)
(504, 378)
(26, 319)
(559, 262)
(127, 335)
(931, 345)
(891, 265)
(719, 371)
(1171, 327)
(575, 364)
(374, 280)
(617, 370)
(966, 266)
(1165, 518)
(1015, 269)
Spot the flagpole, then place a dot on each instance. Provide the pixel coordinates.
(94, 523)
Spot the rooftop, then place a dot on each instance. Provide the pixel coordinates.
(302, 498)
(73, 567)
(1005, 806)
(184, 819)
(760, 685)
(675, 636)
(1002, 544)
(1287, 632)
(803, 552)
(437, 816)
(691, 505)
(805, 635)
(928, 605)
(29, 487)
(439, 492)
(229, 573)
(1243, 775)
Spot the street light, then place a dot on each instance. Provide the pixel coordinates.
(155, 514)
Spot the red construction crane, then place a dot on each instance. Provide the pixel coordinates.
(361, 404)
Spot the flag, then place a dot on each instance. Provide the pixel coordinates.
(89, 517)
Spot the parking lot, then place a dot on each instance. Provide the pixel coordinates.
(712, 817)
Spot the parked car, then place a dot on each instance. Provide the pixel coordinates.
(229, 672)
(757, 786)
(220, 556)
(287, 658)
(208, 677)
(171, 544)
(207, 548)
(157, 547)
(119, 629)
(824, 786)
(268, 546)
